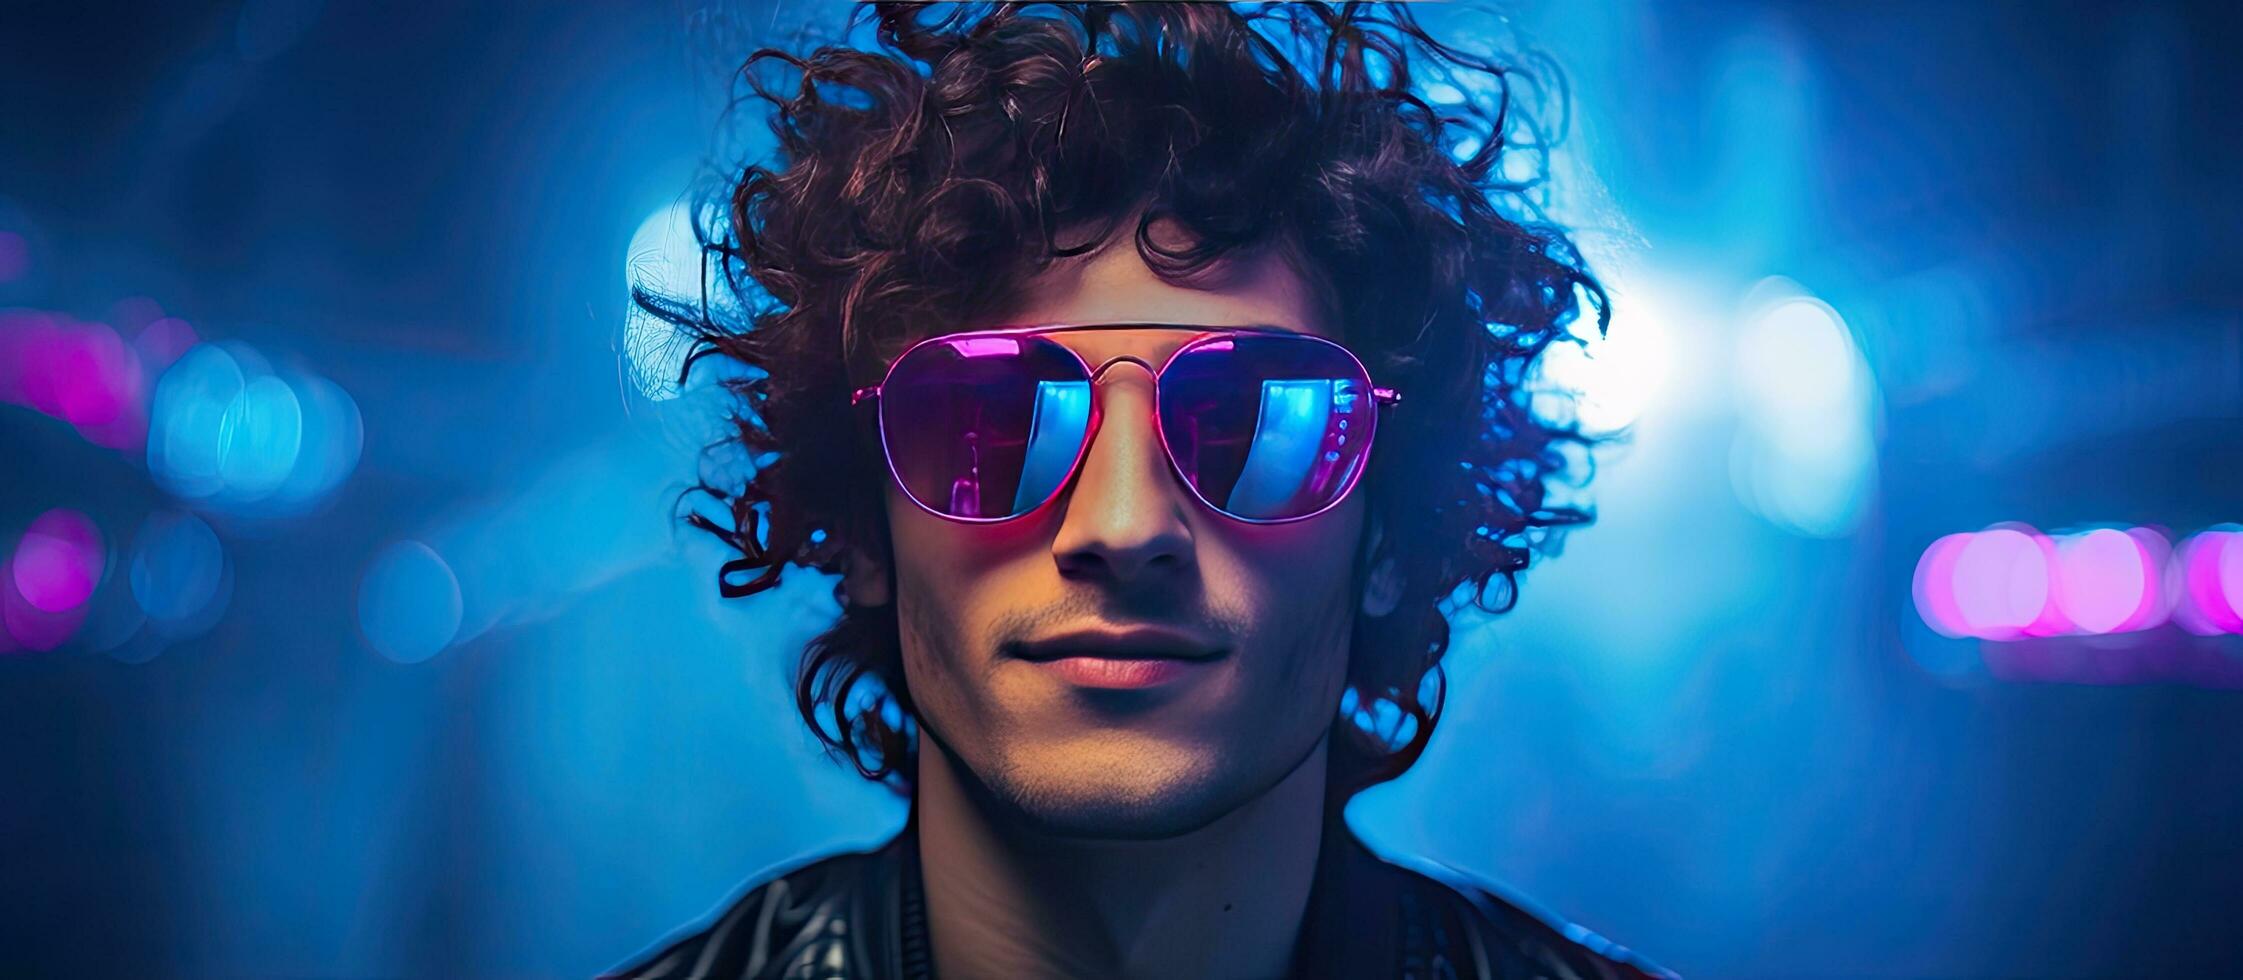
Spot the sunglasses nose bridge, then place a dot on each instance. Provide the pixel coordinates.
(1100, 373)
(1099, 377)
(1152, 392)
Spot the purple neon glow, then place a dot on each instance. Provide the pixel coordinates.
(97, 376)
(81, 373)
(105, 395)
(2211, 605)
(2102, 578)
(59, 561)
(2212, 599)
(2010, 582)
(2001, 583)
(2157, 598)
(2053, 620)
(984, 346)
(2231, 574)
(1934, 587)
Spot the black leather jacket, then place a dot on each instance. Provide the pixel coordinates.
(862, 915)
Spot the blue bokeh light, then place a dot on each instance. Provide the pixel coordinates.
(1805, 454)
(179, 573)
(187, 421)
(409, 603)
(59, 561)
(264, 429)
(230, 433)
(333, 436)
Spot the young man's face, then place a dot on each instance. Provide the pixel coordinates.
(1127, 554)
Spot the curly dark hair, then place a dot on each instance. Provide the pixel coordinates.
(921, 175)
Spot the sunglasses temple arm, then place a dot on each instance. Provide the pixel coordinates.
(1387, 396)
(861, 394)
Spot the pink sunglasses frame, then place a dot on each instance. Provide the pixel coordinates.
(1380, 397)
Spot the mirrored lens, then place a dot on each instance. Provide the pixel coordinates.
(1267, 428)
(982, 428)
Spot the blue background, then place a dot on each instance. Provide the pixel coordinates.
(1715, 729)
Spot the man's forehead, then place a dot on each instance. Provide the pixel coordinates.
(1114, 285)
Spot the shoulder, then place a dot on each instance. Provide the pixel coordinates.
(1503, 935)
(783, 922)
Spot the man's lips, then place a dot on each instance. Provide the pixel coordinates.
(1115, 674)
(1138, 643)
(1120, 659)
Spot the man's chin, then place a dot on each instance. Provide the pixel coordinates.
(1145, 795)
(1091, 816)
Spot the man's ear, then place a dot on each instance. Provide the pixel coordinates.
(1382, 588)
(866, 580)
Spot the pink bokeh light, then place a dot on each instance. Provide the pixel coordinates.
(100, 378)
(58, 562)
(2231, 576)
(2157, 599)
(2210, 606)
(2001, 582)
(2053, 620)
(2102, 578)
(1934, 587)
(82, 373)
(2011, 582)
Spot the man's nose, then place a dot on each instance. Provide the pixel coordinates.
(1124, 519)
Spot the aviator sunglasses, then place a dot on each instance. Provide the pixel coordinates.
(1265, 426)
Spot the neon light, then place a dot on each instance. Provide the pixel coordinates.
(1934, 587)
(2102, 578)
(59, 561)
(984, 346)
(2001, 583)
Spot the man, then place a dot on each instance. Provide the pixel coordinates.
(1149, 375)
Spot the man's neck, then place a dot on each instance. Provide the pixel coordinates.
(1226, 900)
